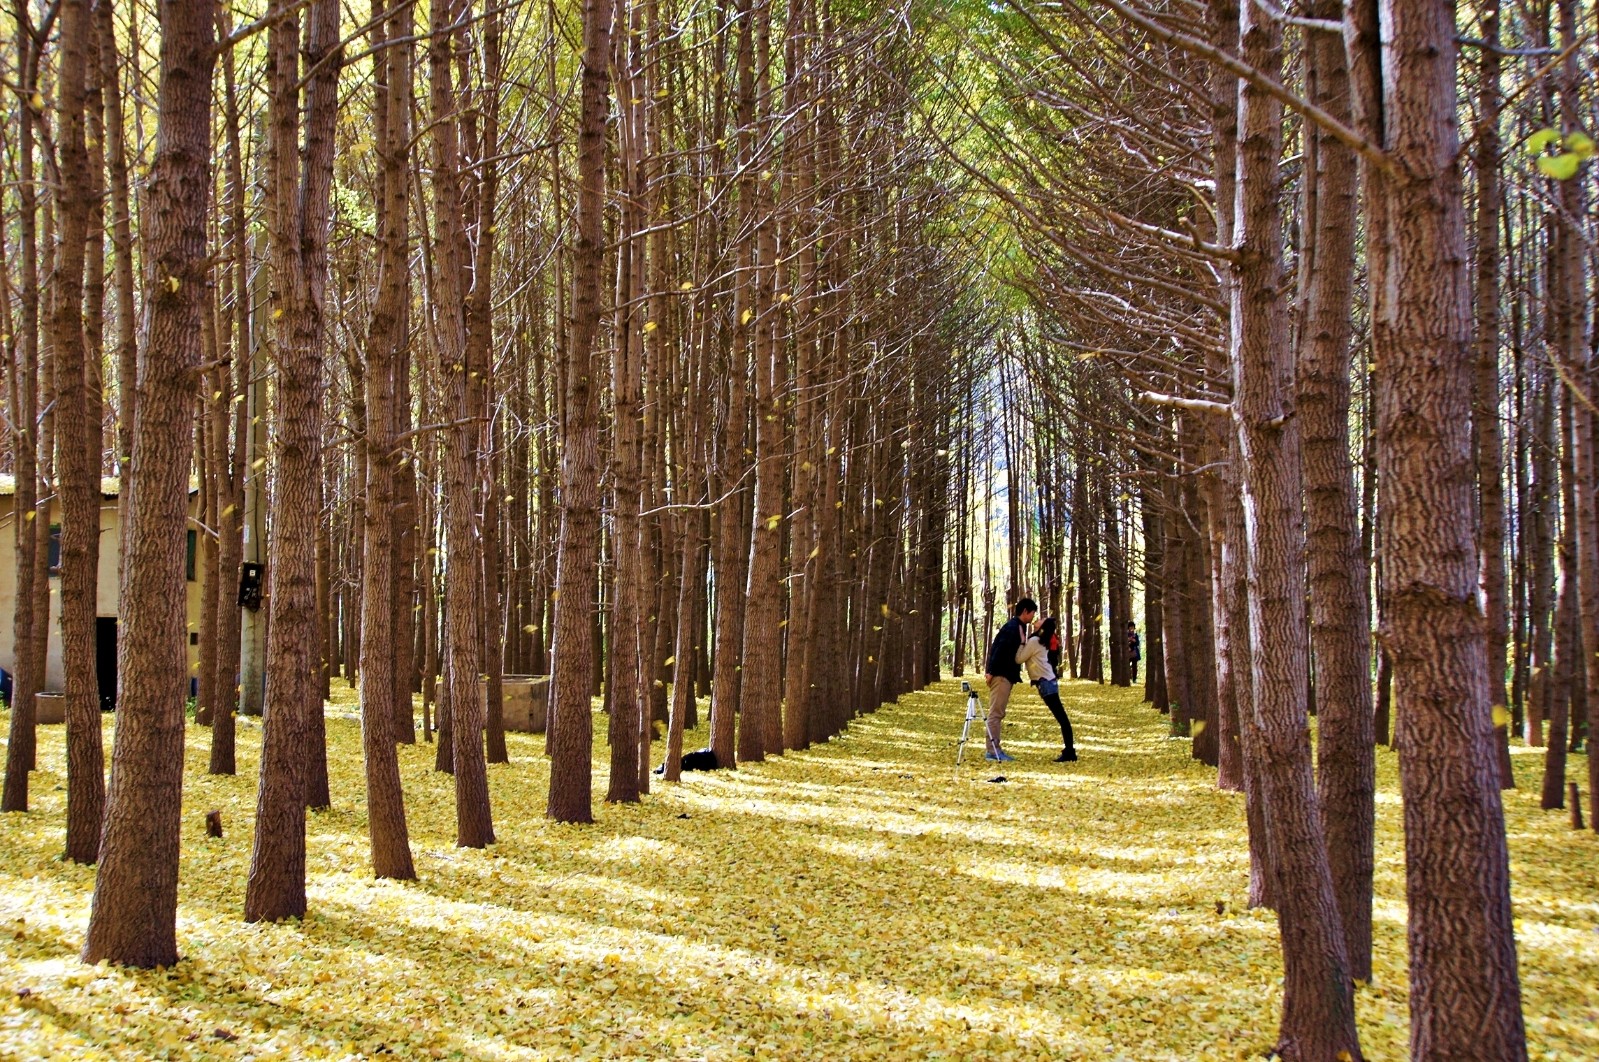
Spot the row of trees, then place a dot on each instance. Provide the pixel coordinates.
(644, 342)
(1309, 295)
(621, 339)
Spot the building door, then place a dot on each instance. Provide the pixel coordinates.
(105, 660)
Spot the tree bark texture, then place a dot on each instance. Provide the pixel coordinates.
(78, 442)
(1318, 1021)
(1488, 436)
(733, 541)
(462, 386)
(762, 691)
(629, 704)
(1572, 311)
(26, 678)
(1465, 999)
(1340, 630)
(380, 655)
(301, 185)
(572, 736)
(231, 422)
(133, 918)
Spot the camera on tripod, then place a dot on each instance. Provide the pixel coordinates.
(972, 716)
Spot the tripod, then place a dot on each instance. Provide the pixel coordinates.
(971, 717)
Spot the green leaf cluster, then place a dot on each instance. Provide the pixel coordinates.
(1570, 151)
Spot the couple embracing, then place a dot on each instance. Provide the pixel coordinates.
(1020, 644)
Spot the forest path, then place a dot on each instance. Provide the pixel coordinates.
(862, 899)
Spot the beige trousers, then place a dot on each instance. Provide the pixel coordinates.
(998, 697)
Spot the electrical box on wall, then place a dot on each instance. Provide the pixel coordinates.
(251, 578)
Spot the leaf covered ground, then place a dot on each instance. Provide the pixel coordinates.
(865, 899)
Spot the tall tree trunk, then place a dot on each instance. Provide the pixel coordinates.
(1153, 505)
(683, 652)
(572, 736)
(78, 433)
(480, 124)
(1229, 600)
(208, 475)
(26, 678)
(230, 421)
(380, 657)
(1318, 1019)
(121, 231)
(461, 384)
(1465, 998)
(326, 636)
(761, 699)
(1488, 436)
(1116, 573)
(254, 448)
(1541, 517)
(1174, 612)
(1340, 631)
(629, 708)
(44, 499)
(133, 919)
(1567, 637)
(301, 188)
(732, 531)
(1090, 594)
(803, 543)
(430, 628)
(407, 603)
(1582, 373)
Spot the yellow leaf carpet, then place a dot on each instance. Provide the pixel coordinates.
(864, 899)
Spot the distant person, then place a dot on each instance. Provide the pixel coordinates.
(1041, 655)
(1135, 651)
(1003, 672)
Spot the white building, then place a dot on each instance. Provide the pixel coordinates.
(107, 596)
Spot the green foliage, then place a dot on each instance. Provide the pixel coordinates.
(1561, 167)
(1573, 148)
(1543, 138)
(354, 210)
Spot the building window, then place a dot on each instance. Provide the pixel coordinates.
(188, 556)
